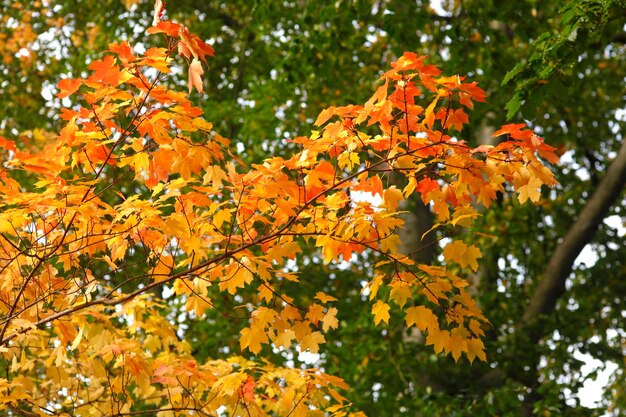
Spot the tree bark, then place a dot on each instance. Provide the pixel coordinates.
(418, 221)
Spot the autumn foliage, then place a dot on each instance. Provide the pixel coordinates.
(137, 171)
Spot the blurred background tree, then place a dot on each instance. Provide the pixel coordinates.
(551, 281)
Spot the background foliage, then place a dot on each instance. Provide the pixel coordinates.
(560, 65)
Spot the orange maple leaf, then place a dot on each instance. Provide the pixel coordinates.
(191, 45)
(455, 119)
(123, 51)
(247, 389)
(167, 27)
(68, 86)
(7, 144)
(105, 71)
(195, 76)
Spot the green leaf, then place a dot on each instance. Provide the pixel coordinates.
(513, 106)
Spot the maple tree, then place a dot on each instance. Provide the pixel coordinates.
(84, 343)
(553, 315)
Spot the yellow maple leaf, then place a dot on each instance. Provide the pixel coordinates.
(237, 279)
(400, 292)
(198, 304)
(392, 196)
(474, 326)
(165, 265)
(231, 383)
(220, 217)
(421, 317)
(324, 298)
(315, 313)
(462, 254)
(330, 249)
(330, 319)
(373, 286)
(458, 342)
(531, 190)
(284, 338)
(348, 159)
(301, 329)
(475, 348)
(380, 310)
(312, 342)
(252, 339)
(429, 114)
(440, 339)
(263, 316)
(266, 292)
(290, 313)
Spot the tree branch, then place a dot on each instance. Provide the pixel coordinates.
(552, 285)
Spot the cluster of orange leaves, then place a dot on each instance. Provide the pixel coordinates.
(136, 169)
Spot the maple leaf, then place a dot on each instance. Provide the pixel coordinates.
(167, 27)
(476, 93)
(425, 187)
(324, 116)
(68, 86)
(530, 190)
(462, 254)
(456, 119)
(330, 319)
(123, 51)
(165, 265)
(512, 129)
(284, 338)
(198, 305)
(421, 317)
(247, 389)
(252, 339)
(475, 328)
(7, 144)
(191, 45)
(195, 76)
(429, 113)
(392, 196)
(400, 292)
(231, 383)
(159, 8)
(239, 277)
(380, 310)
(440, 339)
(315, 313)
(324, 298)
(475, 348)
(107, 72)
(458, 342)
